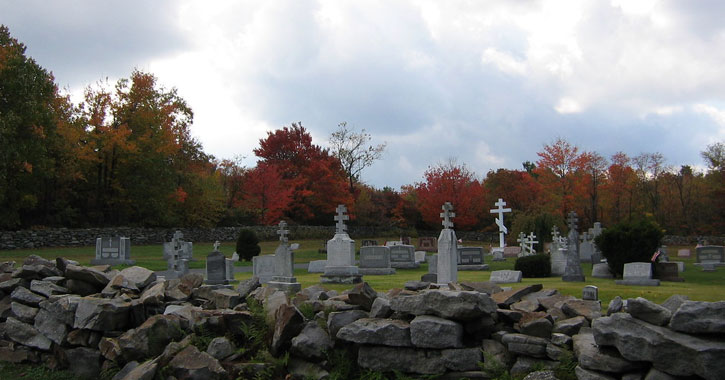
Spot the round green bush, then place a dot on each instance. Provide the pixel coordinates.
(534, 266)
(629, 242)
(247, 245)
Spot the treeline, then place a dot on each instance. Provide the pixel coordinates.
(125, 156)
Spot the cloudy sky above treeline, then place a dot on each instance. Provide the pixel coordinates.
(485, 82)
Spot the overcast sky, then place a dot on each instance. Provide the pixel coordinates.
(485, 82)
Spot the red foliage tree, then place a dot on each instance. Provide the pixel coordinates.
(451, 183)
(265, 194)
(560, 168)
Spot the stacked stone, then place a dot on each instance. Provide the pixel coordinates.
(89, 319)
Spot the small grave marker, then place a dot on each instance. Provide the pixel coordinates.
(375, 260)
(590, 293)
(402, 256)
(505, 276)
(683, 253)
(113, 251)
(427, 243)
(471, 258)
(638, 274)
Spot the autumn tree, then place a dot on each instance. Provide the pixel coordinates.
(560, 167)
(595, 174)
(265, 195)
(316, 178)
(649, 168)
(450, 182)
(518, 188)
(353, 151)
(618, 191)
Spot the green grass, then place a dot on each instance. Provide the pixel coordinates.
(698, 285)
(32, 371)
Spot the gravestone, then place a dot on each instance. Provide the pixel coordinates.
(284, 278)
(369, 243)
(216, 267)
(340, 268)
(471, 258)
(177, 254)
(405, 240)
(573, 270)
(638, 274)
(375, 260)
(427, 243)
(586, 248)
(263, 268)
(664, 254)
(557, 253)
(447, 248)
(420, 256)
(113, 251)
(667, 271)
(590, 293)
(594, 232)
(601, 270)
(523, 244)
(511, 251)
(530, 243)
(432, 275)
(392, 243)
(230, 269)
(500, 210)
(403, 257)
(498, 255)
(683, 253)
(710, 256)
(316, 266)
(680, 265)
(505, 276)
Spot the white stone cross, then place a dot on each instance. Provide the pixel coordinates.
(216, 246)
(597, 230)
(584, 237)
(530, 241)
(555, 233)
(177, 239)
(341, 218)
(283, 232)
(447, 215)
(499, 221)
(522, 241)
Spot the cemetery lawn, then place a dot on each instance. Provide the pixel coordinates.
(698, 285)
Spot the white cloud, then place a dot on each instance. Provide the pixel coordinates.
(568, 105)
(503, 62)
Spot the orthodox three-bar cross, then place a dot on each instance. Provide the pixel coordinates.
(571, 220)
(282, 231)
(447, 214)
(341, 218)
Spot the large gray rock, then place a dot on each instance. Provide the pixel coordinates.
(427, 331)
(288, 323)
(88, 275)
(669, 351)
(461, 359)
(587, 374)
(616, 305)
(191, 364)
(458, 305)
(26, 334)
(385, 332)
(649, 311)
(84, 362)
(409, 360)
(598, 358)
(47, 288)
(36, 272)
(699, 317)
(63, 308)
(362, 295)
(139, 276)
(525, 345)
(509, 297)
(570, 326)
(220, 348)
(23, 313)
(47, 324)
(674, 302)
(525, 364)
(312, 343)
(339, 319)
(301, 369)
(498, 352)
(154, 294)
(144, 371)
(226, 298)
(654, 374)
(247, 286)
(380, 308)
(150, 339)
(26, 297)
(587, 309)
(101, 314)
(539, 327)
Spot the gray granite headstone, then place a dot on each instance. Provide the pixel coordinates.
(369, 243)
(573, 270)
(710, 256)
(263, 267)
(506, 276)
(601, 270)
(558, 260)
(497, 253)
(113, 251)
(668, 271)
(402, 256)
(375, 260)
(586, 248)
(590, 293)
(420, 256)
(285, 263)
(341, 268)
(638, 274)
(471, 258)
(317, 266)
(447, 248)
(511, 251)
(216, 269)
(683, 253)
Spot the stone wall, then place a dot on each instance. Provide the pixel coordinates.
(67, 237)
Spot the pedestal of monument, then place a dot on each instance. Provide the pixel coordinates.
(340, 268)
(285, 284)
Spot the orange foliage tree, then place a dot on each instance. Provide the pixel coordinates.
(560, 173)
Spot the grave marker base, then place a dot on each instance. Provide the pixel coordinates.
(408, 265)
(341, 275)
(112, 262)
(285, 284)
(376, 271)
(638, 282)
(573, 278)
(474, 267)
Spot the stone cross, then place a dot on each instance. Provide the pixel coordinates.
(522, 241)
(177, 239)
(216, 246)
(447, 215)
(499, 221)
(571, 220)
(597, 230)
(340, 218)
(555, 233)
(283, 232)
(531, 240)
(584, 237)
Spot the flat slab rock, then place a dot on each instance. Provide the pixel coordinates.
(386, 332)
(458, 305)
(417, 360)
(669, 351)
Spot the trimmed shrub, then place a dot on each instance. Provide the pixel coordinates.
(247, 245)
(628, 243)
(534, 266)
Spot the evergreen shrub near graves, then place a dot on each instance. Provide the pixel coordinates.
(629, 242)
(247, 245)
(534, 266)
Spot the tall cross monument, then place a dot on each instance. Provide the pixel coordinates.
(499, 221)
(447, 248)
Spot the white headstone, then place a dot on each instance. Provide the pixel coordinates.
(113, 251)
(590, 293)
(506, 276)
(285, 261)
(638, 274)
(340, 268)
